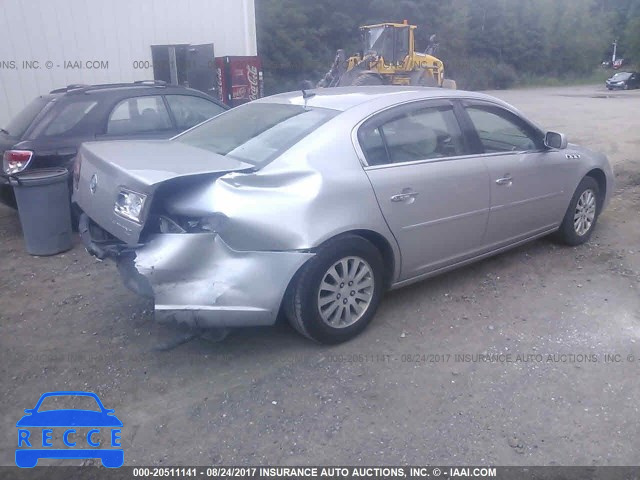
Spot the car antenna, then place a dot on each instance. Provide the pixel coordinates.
(307, 95)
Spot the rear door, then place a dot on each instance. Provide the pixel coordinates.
(433, 195)
(527, 180)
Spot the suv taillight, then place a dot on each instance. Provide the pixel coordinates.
(77, 165)
(14, 161)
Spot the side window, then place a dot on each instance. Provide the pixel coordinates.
(137, 115)
(499, 133)
(423, 134)
(189, 110)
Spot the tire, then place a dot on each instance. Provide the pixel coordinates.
(331, 315)
(367, 79)
(572, 231)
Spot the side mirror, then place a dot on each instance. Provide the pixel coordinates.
(555, 140)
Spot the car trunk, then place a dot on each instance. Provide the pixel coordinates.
(138, 166)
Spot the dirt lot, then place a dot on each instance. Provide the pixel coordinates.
(399, 394)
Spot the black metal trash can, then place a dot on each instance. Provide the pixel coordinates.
(43, 205)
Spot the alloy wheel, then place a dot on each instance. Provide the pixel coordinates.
(585, 212)
(345, 292)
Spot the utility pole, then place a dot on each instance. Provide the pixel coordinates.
(615, 48)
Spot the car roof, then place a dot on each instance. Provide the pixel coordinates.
(141, 87)
(344, 98)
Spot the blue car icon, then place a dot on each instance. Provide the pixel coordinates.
(32, 447)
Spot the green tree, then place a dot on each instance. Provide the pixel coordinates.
(484, 43)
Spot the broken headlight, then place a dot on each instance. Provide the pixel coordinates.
(129, 204)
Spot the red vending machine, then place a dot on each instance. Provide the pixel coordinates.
(240, 79)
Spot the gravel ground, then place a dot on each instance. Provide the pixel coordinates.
(410, 390)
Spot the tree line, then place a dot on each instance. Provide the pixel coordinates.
(484, 43)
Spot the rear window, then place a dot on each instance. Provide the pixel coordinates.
(256, 133)
(64, 119)
(25, 118)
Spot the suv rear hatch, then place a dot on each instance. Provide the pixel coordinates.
(107, 169)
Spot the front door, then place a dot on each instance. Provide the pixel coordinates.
(434, 197)
(527, 180)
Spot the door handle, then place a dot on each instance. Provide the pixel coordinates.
(401, 197)
(506, 180)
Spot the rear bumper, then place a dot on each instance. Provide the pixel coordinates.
(198, 280)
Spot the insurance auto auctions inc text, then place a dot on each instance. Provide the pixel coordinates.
(375, 472)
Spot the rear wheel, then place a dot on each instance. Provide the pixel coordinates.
(336, 294)
(582, 214)
(367, 79)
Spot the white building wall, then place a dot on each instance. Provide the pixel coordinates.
(113, 34)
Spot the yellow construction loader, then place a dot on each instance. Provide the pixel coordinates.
(388, 57)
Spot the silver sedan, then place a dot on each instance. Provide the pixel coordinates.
(314, 203)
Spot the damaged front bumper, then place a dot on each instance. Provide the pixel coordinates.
(197, 279)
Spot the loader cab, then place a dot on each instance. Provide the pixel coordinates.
(391, 41)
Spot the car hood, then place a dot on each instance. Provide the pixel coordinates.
(69, 418)
(140, 166)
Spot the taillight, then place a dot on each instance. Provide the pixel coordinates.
(14, 161)
(77, 165)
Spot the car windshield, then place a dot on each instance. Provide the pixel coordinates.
(69, 402)
(256, 133)
(620, 76)
(23, 120)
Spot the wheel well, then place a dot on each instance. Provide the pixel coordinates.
(599, 176)
(378, 241)
(385, 250)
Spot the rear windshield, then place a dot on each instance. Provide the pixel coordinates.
(256, 133)
(63, 120)
(23, 120)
